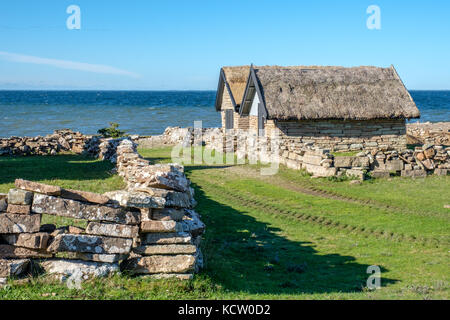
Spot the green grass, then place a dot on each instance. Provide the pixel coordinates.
(278, 237)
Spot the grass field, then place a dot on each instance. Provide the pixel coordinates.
(275, 237)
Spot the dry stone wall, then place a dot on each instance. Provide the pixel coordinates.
(59, 141)
(340, 135)
(376, 162)
(437, 133)
(422, 161)
(150, 228)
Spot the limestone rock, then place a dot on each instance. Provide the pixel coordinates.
(168, 214)
(428, 163)
(358, 174)
(420, 156)
(191, 223)
(312, 159)
(28, 240)
(349, 162)
(112, 230)
(84, 196)
(380, 174)
(151, 198)
(90, 244)
(38, 187)
(13, 268)
(160, 226)
(19, 196)
(82, 269)
(136, 199)
(79, 210)
(162, 176)
(18, 209)
(161, 264)
(319, 171)
(166, 249)
(75, 230)
(3, 205)
(18, 223)
(429, 153)
(394, 165)
(414, 173)
(106, 258)
(166, 238)
(8, 251)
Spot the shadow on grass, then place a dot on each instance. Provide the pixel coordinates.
(65, 166)
(246, 255)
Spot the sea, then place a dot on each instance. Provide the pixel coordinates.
(33, 113)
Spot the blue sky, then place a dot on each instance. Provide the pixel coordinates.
(181, 45)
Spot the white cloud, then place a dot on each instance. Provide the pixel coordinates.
(65, 64)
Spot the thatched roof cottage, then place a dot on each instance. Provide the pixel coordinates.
(333, 107)
(232, 84)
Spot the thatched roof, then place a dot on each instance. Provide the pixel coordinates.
(235, 80)
(359, 93)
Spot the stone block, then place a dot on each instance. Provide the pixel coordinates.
(380, 174)
(90, 244)
(9, 251)
(166, 238)
(78, 269)
(19, 196)
(37, 240)
(414, 173)
(106, 258)
(38, 187)
(359, 174)
(168, 214)
(349, 162)
(3, 205)
(166, 249)
(160, 226)
(312, 159)
(13, 268)
(112, 230)
(18, 223)
(161, 264)
(319, 171)
(84, 196)
(79, 210)
(394, 165)
(18, 209)
(151, 198)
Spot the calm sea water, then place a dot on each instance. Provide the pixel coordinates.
(31, 113)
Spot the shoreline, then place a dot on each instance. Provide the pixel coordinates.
(441, 126)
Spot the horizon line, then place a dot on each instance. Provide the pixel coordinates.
(161, 90)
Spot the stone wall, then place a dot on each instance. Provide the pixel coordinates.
(422, 161)
(437, 133)
(150, 228)
(338, 135)
(59, 141)
(377, 162)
